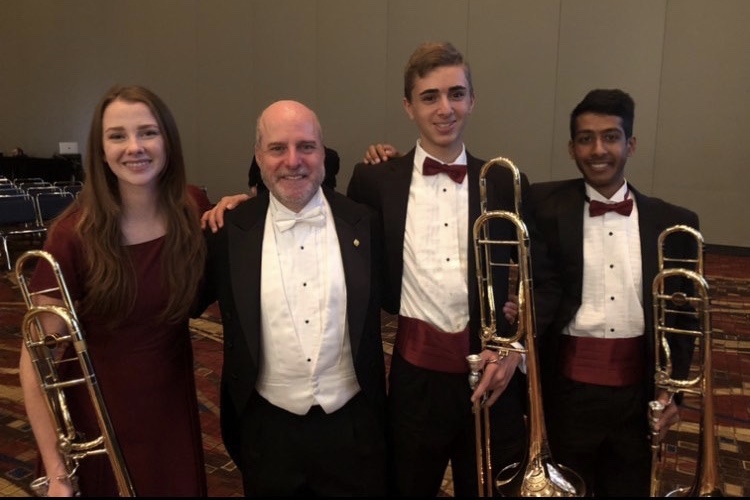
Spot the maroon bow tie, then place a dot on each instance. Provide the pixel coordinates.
(432, 167)
(623, 207)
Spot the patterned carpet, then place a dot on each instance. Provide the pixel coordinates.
(729, 277)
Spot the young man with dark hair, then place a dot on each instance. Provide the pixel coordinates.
(598, 353)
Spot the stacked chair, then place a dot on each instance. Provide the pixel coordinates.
(50, 204)
(73, 187)
(27, 207)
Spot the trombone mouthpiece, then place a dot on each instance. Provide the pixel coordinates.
(474, 361)
(655, 409)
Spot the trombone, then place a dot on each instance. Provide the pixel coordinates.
(670, 305)
(44, 348)
(537, 475)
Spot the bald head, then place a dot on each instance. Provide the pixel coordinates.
(289, 151)
(282, 111)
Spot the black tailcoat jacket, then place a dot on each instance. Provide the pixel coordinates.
(233, 276)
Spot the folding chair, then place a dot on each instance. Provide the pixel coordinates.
(73, 189)
(27, 180)
(18, 217)
(26, 185)
(50, 204)
(34, 189)
(64, 184)
(9, 189)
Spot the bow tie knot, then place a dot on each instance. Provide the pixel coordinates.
(623, 207)
(455, 172)
(316, 217)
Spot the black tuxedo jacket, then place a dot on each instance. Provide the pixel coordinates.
(385, 188)
(558, 209)
(233, 274)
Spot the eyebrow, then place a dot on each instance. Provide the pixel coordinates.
(298, 143)
(437, 91)
(605, 131)
(140, 127)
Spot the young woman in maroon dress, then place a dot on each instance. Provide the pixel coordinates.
(131, 252)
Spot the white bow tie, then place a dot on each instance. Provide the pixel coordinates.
(315, 217)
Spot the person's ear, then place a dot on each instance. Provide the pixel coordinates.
(631, 146)
(408, 109)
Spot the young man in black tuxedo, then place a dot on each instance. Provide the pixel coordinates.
(598, 353)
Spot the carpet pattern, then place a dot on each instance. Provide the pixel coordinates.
(728, 276)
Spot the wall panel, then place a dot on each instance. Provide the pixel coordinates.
(513, 54)
(352, 78)
(225, 97)
(703, 154)
(610, 45)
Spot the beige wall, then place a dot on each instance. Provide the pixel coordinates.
(217, 63)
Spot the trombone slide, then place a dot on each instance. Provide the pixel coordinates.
(482, 431)
(669, 304)
(537, 474)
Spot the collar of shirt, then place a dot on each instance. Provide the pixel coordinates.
(593, 194)
(277, 209)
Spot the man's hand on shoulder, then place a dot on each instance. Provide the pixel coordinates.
(214, 218)
(376, 153)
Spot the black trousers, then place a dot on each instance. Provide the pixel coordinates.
(341, 454)
(430, 422)
(602, 434)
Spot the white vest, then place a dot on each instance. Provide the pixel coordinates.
(296, 372)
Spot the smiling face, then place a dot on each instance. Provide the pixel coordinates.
(133, 143)
(601, 149)
(440, 105)
(290, 154)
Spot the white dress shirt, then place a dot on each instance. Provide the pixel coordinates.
(434, 287)
(612, 296)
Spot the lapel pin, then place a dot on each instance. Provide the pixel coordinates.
(356, 242)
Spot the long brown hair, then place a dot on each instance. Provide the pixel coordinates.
(110, 283)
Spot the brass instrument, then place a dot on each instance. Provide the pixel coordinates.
(668, 305)
(537, 475)
(45, 349)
